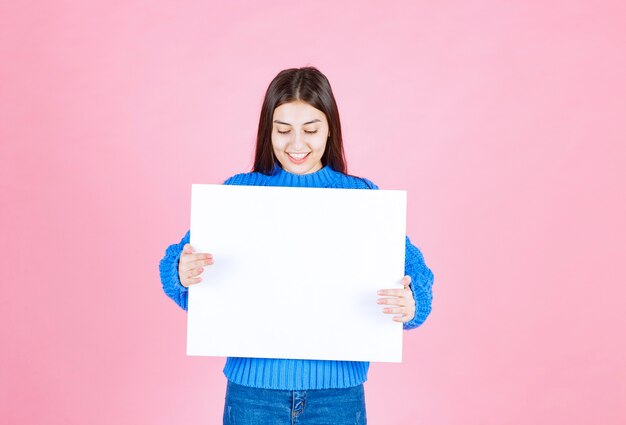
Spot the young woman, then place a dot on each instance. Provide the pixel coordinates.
(299, 143)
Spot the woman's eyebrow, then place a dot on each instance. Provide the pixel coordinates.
(308, 122)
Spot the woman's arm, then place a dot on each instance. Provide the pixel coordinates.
(421, 284)
(168, 269)
(421, 278)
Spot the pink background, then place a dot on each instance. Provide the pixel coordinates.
(506, 123)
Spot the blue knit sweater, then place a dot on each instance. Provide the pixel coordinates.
(292, 374)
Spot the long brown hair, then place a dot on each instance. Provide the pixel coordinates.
(309, 85)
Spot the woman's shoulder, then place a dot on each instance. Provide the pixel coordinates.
(348, 181)
(246, 179)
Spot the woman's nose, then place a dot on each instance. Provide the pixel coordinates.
(297, 140)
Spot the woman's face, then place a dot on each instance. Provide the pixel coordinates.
(299, 134)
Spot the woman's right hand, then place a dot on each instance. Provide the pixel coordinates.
(191, 265)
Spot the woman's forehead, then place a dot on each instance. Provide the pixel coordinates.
(297, 112)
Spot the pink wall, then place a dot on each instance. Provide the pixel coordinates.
(505, 121)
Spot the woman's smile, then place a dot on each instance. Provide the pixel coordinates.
(298, 158)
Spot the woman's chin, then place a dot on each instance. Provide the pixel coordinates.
(304, 168)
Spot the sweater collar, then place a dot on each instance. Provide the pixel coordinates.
(320, 178)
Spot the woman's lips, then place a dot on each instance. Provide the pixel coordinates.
(298, 158)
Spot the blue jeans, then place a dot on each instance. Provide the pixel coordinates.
(247, 405)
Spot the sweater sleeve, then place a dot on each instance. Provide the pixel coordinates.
(421, 279)
(421, 284)
(168, 266)
(168, 269)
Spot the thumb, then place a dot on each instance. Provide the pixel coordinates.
(187, 249)
(406, 281)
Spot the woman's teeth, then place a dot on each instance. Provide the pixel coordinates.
(297, 156)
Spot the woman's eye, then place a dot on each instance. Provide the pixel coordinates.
(287, 131)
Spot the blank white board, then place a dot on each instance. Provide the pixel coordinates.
(296, 272)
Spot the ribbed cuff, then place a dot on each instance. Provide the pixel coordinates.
(423, 298)
(168, 269)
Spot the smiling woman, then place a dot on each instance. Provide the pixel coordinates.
(299, 116)
(299, 144)
(299, 137)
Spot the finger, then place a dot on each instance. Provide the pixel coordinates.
(392, 292)
(407, 315)
(393, 310)
(192, 281)
(188, 267)
(402, 318)
(393, 301)
(198, 263)
(191, 273)
(186, 258)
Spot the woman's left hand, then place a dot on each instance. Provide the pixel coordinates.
(400, 301)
